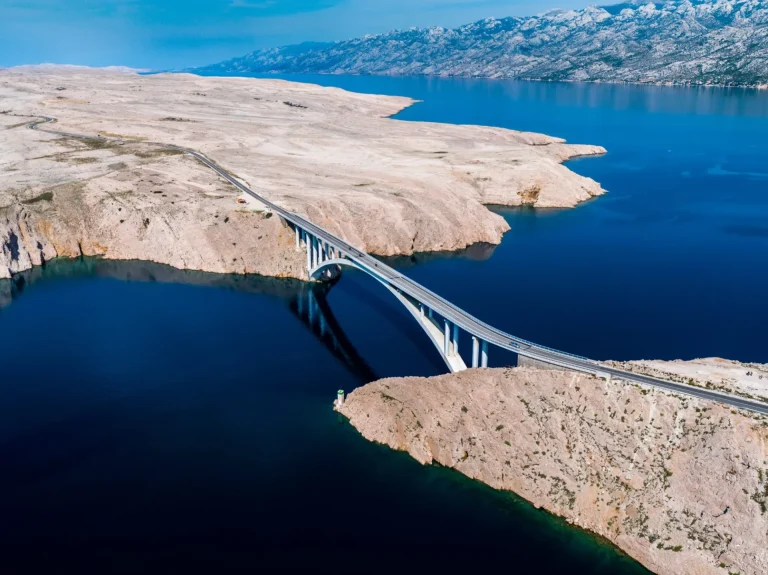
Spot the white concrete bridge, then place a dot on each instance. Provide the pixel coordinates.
(443, 322)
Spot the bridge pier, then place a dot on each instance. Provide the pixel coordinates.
(298, 238)
(307, 243)
(484, 355)
(455, 339)
(475, 351)
(447, 338)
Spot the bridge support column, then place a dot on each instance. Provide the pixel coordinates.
(455, 339)
(484, 355)
(421, 310)
(447, 338)
(308, 244)
(475, 351)
(315, 253)
(298, 238)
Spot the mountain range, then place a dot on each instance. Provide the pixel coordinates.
(704, 42)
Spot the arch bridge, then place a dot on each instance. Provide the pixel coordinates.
(442, 321)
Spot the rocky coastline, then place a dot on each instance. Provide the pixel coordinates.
(679, 484)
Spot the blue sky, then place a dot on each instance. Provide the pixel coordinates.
(179, 33)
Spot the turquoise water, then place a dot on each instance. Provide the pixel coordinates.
(156, 420)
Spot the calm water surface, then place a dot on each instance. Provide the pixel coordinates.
(154, 419)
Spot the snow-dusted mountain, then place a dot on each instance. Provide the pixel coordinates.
(721, 42)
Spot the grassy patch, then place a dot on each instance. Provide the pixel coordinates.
(44, 197)
(90, 143)
(158, 153)
(79, 161)
(121, 137)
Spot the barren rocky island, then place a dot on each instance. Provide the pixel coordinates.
(390, 187)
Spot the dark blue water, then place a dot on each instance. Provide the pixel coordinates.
(162, 421)
(154, 420)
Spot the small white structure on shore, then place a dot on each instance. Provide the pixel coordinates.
(340, 399)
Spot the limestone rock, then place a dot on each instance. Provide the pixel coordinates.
(679, 484)
(390, 187)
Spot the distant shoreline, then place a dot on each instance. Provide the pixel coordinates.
(203, 72)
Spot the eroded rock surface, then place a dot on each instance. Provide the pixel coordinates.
(679, 484)
(387, 186)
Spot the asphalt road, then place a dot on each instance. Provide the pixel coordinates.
(442, 306)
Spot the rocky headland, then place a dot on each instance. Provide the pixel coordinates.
(390, 187)
(678, 483)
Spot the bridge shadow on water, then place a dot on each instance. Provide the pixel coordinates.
(308, 302)
(311, 307)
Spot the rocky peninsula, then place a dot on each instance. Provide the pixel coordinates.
(678, 483)
(390, 187)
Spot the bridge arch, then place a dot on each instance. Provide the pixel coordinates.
(330, 269)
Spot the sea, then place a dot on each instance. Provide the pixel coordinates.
(157, 420)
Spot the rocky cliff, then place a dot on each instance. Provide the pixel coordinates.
(679, 484)
(387, 186)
